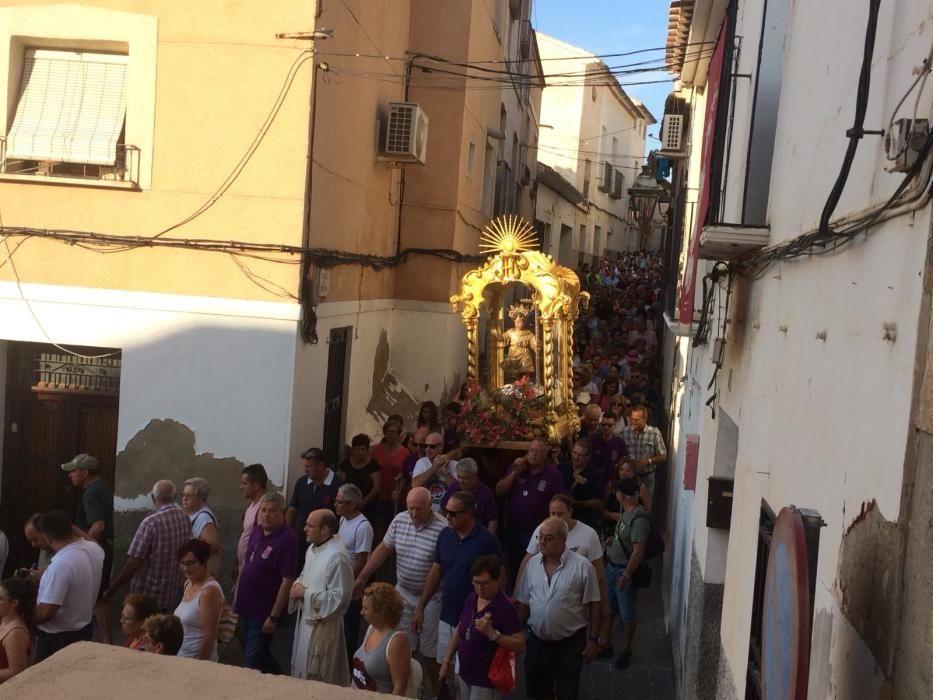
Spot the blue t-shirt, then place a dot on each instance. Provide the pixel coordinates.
(456, 556)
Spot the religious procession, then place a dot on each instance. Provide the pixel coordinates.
(492, 545)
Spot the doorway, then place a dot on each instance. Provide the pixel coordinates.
(335, 410)
(57, 405)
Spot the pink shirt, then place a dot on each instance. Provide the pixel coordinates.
(249, 519)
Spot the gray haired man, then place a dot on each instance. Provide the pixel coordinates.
(356, 533)
(487, 513)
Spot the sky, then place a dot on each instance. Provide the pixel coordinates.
(613, 26)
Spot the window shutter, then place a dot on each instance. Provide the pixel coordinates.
(71, 107)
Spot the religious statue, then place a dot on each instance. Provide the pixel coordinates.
(522, 345)
(529, 370)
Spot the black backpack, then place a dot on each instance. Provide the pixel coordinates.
(655, 544)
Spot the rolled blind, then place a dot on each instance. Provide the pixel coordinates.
(71, 107)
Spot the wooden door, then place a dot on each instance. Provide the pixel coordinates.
(43, 429)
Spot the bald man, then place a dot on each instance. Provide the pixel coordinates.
(151, 566)
(412, 535)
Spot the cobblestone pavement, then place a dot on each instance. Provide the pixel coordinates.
(650, 675)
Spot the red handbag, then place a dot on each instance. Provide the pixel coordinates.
(502, 671)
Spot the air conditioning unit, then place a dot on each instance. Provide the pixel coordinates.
(617, 185)
(406, 134)
(605, 182)
(672, 135)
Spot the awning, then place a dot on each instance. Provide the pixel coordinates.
(71, 107)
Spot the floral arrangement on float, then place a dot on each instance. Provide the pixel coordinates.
(514, 413)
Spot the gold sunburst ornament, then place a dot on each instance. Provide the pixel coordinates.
(508, 234)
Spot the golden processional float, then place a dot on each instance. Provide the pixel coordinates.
(519, 377)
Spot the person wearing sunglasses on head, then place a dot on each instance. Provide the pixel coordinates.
(434, 471)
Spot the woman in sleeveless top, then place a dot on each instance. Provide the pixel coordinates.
(16, 621)
(383, 661)
(200, 607)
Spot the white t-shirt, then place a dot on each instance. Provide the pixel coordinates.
(582, 539)
(72, 581)
(356, 534)
(438, 485)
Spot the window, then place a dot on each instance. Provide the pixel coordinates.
(70, 116)
(94, 70)
(489, 178)
(587, 168)
(471, 156)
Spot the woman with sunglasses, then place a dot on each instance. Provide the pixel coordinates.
(201, 605)
(621, 407)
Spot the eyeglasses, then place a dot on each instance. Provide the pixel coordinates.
(452, 513)
(432, 445)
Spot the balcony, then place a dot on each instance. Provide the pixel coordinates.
(122, 174)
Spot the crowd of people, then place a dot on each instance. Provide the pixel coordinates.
(405, 568)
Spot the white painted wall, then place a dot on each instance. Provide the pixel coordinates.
(427, 346)
(824, 424)
(221, 367)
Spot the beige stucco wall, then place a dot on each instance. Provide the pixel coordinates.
(219, 70)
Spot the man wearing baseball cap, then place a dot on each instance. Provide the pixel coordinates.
(95, 518)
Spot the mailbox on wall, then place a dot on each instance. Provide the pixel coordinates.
(719, 502)
(691, 457)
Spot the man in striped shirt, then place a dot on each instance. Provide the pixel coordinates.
(412, 535)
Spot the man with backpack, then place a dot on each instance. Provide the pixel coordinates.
(635, 540)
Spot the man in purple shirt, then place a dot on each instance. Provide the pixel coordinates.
(265, 581)
(606, 448)
(487, 513)
(528, 488)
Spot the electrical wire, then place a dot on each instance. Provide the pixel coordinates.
(856, 133)
(302, 58)
(324, 257)
(355, 54)
(32, 311)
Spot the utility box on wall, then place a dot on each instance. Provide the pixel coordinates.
(719, 502)
(691, 458)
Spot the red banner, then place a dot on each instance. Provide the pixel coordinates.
(713, 75)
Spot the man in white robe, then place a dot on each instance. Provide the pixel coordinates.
(321, 595)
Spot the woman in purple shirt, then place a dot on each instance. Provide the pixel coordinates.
(488, 621)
